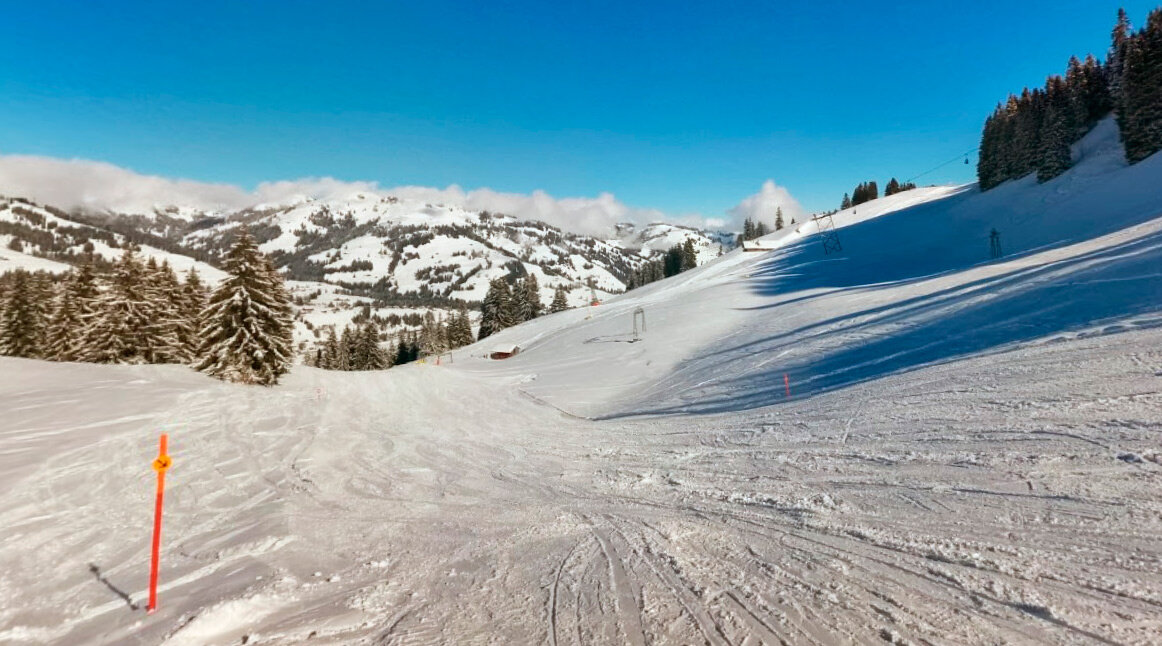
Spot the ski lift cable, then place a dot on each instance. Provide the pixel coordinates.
(957, 158)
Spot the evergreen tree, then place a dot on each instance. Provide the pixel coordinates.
(192, 297)
(1055, 156)
(345, 358)
(560, 300)
(530, 301)
(118, 333)
(432, 335)
(62, 334)
(672, 261)
(517, 302)
(1115, 59)
(460, 330)
(329, 358)
(846, 202)
(778, 218)
(169, 330)
(506, 315)
(492, 309)
(247, 330)
(74, 308)
(366, 353)
(404, 352)
(1140, 111)
(22, 317)
(689, 255)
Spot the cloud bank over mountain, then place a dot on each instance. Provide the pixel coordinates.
(101, 186)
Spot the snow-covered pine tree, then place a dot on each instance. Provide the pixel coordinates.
(560, 300)
(247, 326)
(488, 313)
(517, 302)
(345, 358)
(530, 301)
(353, 341)
(402, 350)
(496, 310)
(330, 356)
(505, 312)
(433, 335)
(117, 332)
(372, 356)
(463, 328)
(168, 329)
(778, 218)
(193, 298)
(73, 309)
(64, 325)
(23, 317)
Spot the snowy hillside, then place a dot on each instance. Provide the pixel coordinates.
(968, 455)
(658, 237)
(41, 231)
(914, 285)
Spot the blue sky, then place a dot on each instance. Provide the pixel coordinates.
(683, 107)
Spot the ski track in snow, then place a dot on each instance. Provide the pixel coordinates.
(991, 507)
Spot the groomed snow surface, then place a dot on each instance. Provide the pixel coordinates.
(970, 455)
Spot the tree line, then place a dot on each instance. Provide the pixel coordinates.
(358, 346)
(507, 305)
(140, 312)
(1033, 132)
(677, 259)
(868, 191)
(754, 228)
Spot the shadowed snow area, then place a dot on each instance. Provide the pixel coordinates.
(969, 456)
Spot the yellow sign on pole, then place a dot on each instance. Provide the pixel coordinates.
(161, 463)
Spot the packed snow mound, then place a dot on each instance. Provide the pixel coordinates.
(914, 285)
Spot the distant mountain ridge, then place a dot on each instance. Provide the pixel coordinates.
(379, 251)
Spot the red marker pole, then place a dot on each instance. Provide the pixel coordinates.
(160, 465)
(787, 384)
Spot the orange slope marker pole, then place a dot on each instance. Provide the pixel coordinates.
(161, 464)
(787, 384)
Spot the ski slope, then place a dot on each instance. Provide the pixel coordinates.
(912, 288)
(969, 455)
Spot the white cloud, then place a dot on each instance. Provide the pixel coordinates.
(77, 183)
(762, 205)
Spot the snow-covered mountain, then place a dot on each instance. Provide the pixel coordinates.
(398, 257)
